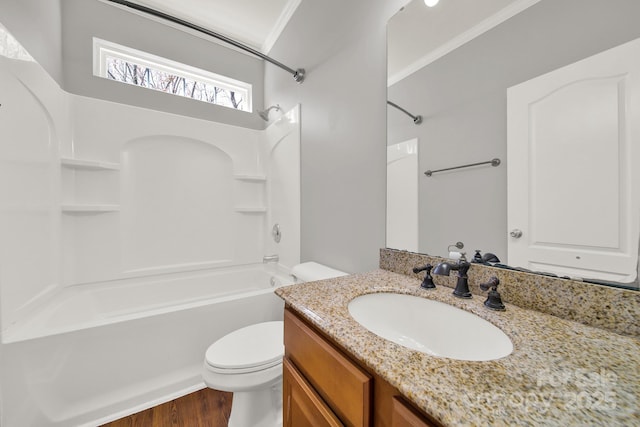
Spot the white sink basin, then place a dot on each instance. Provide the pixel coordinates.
(430, 326)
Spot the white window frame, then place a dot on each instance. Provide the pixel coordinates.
(102, 49)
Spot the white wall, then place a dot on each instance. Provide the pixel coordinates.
(153, 193)
(283, 187)
(175, 190)
(342, 45)
(30, 131)
(178, 194)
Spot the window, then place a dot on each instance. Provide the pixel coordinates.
(11, 48)
(126, 65)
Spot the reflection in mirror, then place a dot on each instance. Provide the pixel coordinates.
(454, 69)
(402, 195)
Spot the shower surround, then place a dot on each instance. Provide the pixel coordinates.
(132, 239)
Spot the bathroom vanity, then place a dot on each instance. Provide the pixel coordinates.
(560, 372)
(323, 386)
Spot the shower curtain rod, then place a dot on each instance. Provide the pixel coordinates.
(298, 74)
(416, 119)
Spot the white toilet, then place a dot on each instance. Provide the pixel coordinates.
(248, 362)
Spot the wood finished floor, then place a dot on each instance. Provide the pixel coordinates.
(204, 408)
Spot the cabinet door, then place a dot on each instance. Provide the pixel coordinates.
(301, 404)
(344, 386)
(404, 416)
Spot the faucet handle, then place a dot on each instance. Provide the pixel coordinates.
(427, 283)
(492, 283)
(493, 301)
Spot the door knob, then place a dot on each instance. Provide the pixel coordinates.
(515, 233)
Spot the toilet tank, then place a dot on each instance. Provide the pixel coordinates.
(310, 271)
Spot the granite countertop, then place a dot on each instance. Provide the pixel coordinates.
(559, 373)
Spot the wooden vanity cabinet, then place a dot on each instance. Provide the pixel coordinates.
(343, 386)
(403, 415)
(323, 386)
(303, 407)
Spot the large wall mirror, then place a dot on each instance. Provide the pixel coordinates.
(453, 65)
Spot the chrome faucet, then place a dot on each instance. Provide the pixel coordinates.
(270, 258)
(462, 267)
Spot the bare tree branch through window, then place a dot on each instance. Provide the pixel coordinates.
(144, 76)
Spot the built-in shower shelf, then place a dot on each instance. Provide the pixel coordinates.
(89, 208)
(68, 162)
(256, 209)
(251, 178)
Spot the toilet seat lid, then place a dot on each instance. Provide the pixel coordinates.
(251, 348)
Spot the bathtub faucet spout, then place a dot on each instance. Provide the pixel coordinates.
(270, 258)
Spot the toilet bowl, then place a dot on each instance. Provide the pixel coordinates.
(248, 362)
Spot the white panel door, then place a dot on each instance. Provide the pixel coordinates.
(573, 168)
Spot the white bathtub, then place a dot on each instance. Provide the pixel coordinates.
(96, 353)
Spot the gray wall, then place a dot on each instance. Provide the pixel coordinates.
(342, 45)
(36, 24)
(84, 19)
(462, 97)
(59, 35)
